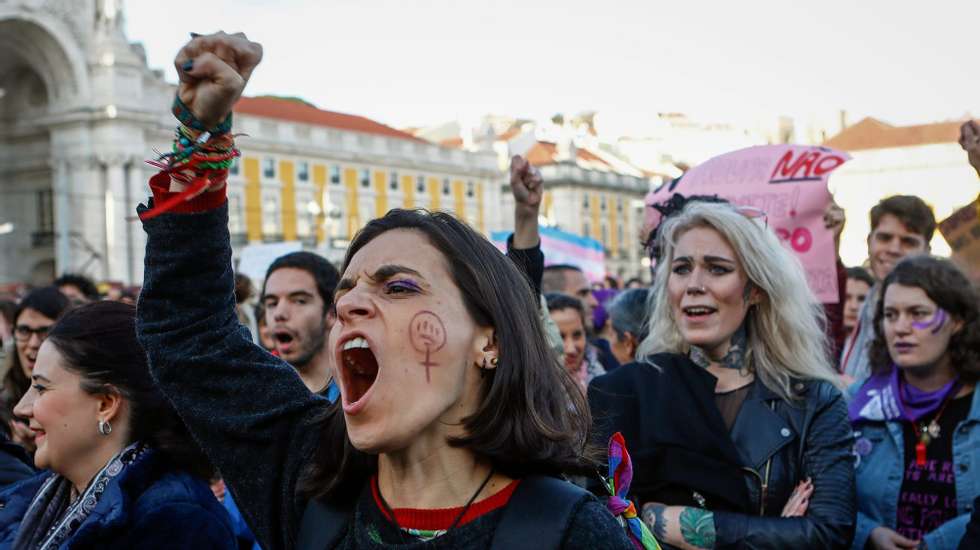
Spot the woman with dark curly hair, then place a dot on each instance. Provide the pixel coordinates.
(123, 469)
(916, 419)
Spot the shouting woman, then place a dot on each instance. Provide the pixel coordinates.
(454, 420)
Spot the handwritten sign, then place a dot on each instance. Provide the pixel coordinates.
(962, 231)
(789, 184)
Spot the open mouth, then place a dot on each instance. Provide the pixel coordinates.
(698, 312)
(359, 369)
(284, 339)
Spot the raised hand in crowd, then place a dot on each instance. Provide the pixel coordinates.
(528, 188)
(834, 219)
(213, 71)
(970, 141)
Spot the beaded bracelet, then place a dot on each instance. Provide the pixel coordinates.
(187, 118)
(199, 159)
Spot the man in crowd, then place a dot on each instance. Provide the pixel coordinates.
(78, 288)
(570, 280)
(298, 300)
(900, 226)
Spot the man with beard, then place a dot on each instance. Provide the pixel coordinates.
(298, 300)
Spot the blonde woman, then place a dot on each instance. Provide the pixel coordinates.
(738, 435)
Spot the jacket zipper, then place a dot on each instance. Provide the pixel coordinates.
(763, 484)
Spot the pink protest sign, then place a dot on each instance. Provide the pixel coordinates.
(789, 184)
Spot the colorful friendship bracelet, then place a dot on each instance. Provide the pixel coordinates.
(199, 159)
(187, 118)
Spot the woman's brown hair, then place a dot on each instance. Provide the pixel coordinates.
(532, 417)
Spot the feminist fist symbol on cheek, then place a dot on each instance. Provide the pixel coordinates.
(428, 335)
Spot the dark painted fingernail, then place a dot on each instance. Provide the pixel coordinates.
(188, 66)
(194, 35)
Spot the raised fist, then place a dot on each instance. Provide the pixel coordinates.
(527, 185)
(213, 71)
(970, 141)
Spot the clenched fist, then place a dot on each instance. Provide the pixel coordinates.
(213, 71)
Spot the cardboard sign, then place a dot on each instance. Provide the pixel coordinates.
(789, 184)
(962, 231)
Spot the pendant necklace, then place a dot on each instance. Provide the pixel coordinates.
(925, 433)
(391, 513)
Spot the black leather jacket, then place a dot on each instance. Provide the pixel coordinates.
(684, 455)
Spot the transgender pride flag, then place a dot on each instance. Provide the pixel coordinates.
(560, 247)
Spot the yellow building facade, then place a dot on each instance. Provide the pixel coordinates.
(318, 177)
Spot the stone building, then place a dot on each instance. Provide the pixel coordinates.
(80, 111)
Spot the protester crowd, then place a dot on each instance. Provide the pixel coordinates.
(434, 393)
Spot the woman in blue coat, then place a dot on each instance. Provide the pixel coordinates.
(123, 470)
(917, 418)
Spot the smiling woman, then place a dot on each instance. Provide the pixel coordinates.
(120, 466)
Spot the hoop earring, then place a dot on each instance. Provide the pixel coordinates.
(104, 427)
(494, 361)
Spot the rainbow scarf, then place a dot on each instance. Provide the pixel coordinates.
(618, 484)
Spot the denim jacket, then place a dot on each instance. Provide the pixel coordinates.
(880, 474)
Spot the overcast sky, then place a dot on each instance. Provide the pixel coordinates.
(422, 62)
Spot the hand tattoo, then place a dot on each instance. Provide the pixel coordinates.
(653, 516)
(698, 527)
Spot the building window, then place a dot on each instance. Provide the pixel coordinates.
(445, 186)
(235, 214)
(602, 203)
(303, 171)
(335, 175)
(469, 189)
(305, 215)
(619, 234)
(585, 201)
(605, 235)
(619, 204)
(269, 167)
(45, 212)
(393, 181)
(586, 230)
(365, 177)
(234, 168)
(271, 219)
(420, 184)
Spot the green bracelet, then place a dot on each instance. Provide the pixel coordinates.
(187, 118)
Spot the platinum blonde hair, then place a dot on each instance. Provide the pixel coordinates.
(786, 338)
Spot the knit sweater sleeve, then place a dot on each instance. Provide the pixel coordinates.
(249, 411)
(592, 527)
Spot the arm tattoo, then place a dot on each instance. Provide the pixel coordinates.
(698, 527)
(653, 516)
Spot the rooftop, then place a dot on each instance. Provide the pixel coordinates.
(871, 133)
(294, 110)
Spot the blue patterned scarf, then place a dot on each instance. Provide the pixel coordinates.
(52, 517)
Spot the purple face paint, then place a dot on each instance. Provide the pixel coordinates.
(428, 335)
(936, 323)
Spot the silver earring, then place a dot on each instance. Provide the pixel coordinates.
(104, 427)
